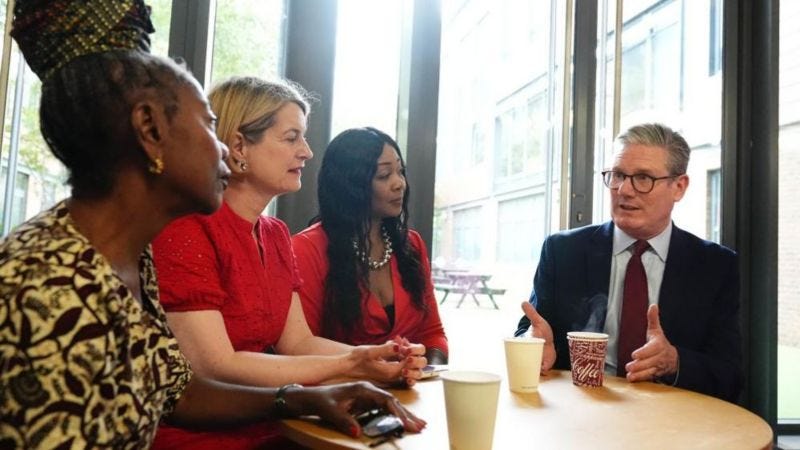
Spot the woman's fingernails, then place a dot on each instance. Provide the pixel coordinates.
(354, 431)
(396, 348)
(405, 372)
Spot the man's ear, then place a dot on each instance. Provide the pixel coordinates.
(681, 184)
(149, 124)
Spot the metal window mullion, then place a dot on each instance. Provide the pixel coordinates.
(583, 87)
(16, 120)
(310, 55)
(191, 35)
(617, 69)
(566, 101)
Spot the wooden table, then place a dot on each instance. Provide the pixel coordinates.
(616, 416)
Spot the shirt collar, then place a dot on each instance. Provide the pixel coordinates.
(659, 243)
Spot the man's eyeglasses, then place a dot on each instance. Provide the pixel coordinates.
(641, 182)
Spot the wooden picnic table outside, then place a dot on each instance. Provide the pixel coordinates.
(465, 282)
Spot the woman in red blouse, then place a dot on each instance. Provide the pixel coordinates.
(366, 276)
(229, 281)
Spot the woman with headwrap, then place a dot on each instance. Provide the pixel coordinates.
(86, 357)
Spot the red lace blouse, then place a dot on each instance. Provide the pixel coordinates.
(213, 263)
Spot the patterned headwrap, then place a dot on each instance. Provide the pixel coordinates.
(51, 33)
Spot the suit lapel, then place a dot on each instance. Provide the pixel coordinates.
(674, 280)
(598, 259)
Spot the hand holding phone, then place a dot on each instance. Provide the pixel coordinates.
(432, 370)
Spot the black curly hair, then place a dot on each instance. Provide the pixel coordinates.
(85, 112)
(345, 202)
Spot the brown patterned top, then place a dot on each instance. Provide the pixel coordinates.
(83, 364)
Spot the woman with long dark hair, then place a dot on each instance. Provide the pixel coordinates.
(366, 275)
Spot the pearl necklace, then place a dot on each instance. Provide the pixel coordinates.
(387, 252)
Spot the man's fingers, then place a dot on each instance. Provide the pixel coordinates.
(642, 375)
(531, 313)
(649, 349)
(653, 322)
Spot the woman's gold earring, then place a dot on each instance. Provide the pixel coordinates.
(156, 166)
(243, 166)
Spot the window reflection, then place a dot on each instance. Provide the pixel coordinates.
(498, 140)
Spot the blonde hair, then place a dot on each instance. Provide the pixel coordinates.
(248, 105)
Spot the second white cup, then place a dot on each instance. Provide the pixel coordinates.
(524, 363)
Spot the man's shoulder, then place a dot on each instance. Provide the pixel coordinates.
(584, 233)
(694, 243)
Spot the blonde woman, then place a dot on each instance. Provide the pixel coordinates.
(229, 281)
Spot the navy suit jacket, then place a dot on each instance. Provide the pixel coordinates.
(698, 302)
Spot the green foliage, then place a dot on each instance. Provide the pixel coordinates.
(247, 38)
(161, 14)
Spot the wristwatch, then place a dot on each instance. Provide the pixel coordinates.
(280, 403)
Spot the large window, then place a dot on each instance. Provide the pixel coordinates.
(499, 136)
(789, 215)
(665, 77)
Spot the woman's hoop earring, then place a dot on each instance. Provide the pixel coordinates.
(156, 166)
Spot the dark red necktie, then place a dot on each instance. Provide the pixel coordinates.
(633, 320)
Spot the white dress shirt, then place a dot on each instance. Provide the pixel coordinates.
(653, 260)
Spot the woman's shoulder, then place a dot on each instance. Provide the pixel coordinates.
(313, 234)
(415, 239)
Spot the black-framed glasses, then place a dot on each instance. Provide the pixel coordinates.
(641, 182)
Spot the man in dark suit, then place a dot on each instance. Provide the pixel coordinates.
(686, 332)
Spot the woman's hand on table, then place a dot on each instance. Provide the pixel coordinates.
(541, 329)
(396, 360)
(338, 405)
(413, 358)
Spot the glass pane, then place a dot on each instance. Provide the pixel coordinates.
(789, 214)
(499, 138)
(37, 178)
(160, 15)
(668, 48)
(3, 5)
(248, 39)
(367, 71)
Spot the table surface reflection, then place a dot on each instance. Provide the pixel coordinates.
(560, 415)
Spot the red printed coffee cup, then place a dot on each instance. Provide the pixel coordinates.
(587, 356)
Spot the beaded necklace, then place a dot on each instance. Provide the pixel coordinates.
(387, 252)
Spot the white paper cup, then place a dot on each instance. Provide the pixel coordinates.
(524, 363)
(470, 400)
(587, 357)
